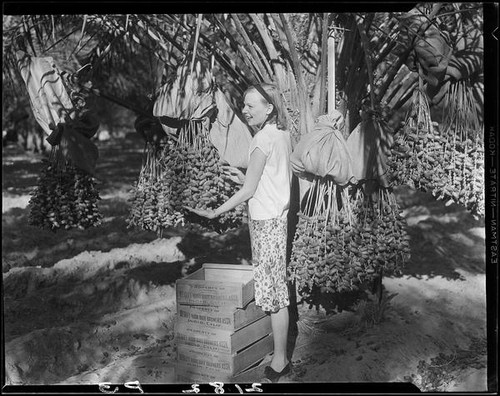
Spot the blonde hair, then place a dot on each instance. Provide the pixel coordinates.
(271, 95)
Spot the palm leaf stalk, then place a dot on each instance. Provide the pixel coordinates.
(249, 64)
(238, 54)
(324, 61)
(365, 46)
(305, 109)
(331, 65)
(197, 35)
(256, 59)
(277, 63)
(228, 64)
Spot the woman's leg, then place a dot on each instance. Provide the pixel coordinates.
(279, 323)
(268, 240)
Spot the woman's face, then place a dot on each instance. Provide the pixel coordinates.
(255, 108)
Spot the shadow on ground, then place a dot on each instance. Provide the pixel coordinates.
(26, 245)
(233, 247)
(444, 239)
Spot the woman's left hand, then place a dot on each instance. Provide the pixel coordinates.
(209, 214)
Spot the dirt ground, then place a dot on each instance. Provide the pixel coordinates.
(98, 305)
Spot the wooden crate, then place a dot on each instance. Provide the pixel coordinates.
(220, 285)
(219, 340)
(195, 375)
(200, 365)
(222, 318)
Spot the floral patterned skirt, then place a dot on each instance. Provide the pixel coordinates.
(269, 240)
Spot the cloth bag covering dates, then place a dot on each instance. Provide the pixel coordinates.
(324, 151)
(54, 111)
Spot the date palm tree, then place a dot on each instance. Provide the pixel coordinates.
(424, 65)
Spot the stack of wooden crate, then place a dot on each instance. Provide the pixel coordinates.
(219, 332)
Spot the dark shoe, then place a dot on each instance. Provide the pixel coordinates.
(273, 375)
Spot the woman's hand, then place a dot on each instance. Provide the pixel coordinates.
(209, 214)
(233, 174)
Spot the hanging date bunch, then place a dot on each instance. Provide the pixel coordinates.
(65, 197)
(381, 231)
(320, 259)
(184, 170)
(413, 159)
(193, 170)
(448, 163)
(345, 239)
(151, 208)
(465, 159)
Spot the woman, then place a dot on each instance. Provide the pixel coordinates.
(266, 187)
